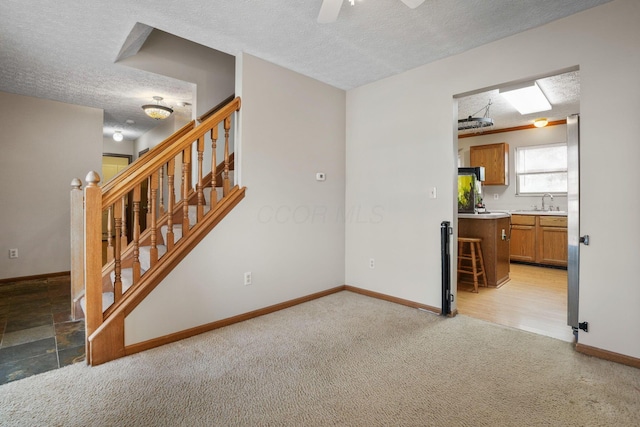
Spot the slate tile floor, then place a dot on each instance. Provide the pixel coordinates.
(36, 330)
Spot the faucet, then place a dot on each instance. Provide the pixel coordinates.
(545, 195)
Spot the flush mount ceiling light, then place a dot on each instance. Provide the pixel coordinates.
(157, 111)
(526, 98)
(472, 122)
(117, 136)
(541, 122)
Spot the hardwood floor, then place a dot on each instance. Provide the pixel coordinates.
(534, 300)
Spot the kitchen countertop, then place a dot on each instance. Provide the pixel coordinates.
(490, 215)
(504, 214)
(523, 212)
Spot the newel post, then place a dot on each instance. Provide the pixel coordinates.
(77, 246)
(93, 254)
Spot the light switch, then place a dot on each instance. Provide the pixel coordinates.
(433, 193)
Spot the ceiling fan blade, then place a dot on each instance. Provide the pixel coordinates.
(329, 11)
(413, 3)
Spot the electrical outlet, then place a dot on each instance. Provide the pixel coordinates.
(13, 253)
(247, 278)
(372, 263)
(496, 196)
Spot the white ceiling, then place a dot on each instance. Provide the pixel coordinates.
(66, 51)
(562, 91)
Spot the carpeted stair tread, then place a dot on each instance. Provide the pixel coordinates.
(145, 255)
(126, 277)
(107, 300)
(177, 232)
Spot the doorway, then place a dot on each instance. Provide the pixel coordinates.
(535, 296)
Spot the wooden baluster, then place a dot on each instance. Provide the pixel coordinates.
(226, 185)
(110, 253)
(154, 218)
(93, 255)
(136, 233)
(199, 189)
(171, 170)
(189, 170)
(186, 166)
(148, 201)
(77, 246)
(161, 189)
(123, 234)
(117, 282)
(214, 167)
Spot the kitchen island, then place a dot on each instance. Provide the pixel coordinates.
(493, 229)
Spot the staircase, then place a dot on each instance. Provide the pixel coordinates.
(118, 261)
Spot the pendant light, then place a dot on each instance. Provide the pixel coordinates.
(157, 111)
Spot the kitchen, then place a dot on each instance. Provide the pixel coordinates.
(519, 209)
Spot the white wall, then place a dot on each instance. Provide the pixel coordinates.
(507, 193)
(210, 70)
(45, 144)
(155, 136)
(288, 231)
(401, 140)
(123, 147)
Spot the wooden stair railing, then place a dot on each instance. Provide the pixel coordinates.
(216, 108)
(176, 222)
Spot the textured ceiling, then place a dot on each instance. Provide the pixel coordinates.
(562, 91)
(66, 51)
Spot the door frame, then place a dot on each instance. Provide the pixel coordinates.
(573, 208)
(573, 220)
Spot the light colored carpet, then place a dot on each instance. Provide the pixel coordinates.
(345, 360)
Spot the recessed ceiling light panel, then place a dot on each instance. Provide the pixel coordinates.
(526, 98)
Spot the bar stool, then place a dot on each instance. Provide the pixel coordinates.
(471, 262)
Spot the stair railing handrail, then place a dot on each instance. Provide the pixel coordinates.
(123, 176)
(111, 198)
(215, 109)
(117, 189)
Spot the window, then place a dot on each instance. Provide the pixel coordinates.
(541, 169)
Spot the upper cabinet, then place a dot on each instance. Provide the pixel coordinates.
(495, 159)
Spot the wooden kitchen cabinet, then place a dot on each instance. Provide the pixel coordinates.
(495, 159)
(539, 239)
(552, 240)
(523, 238)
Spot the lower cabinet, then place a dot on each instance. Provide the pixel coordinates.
(540, 239)
(552, 240)
(523, 238)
